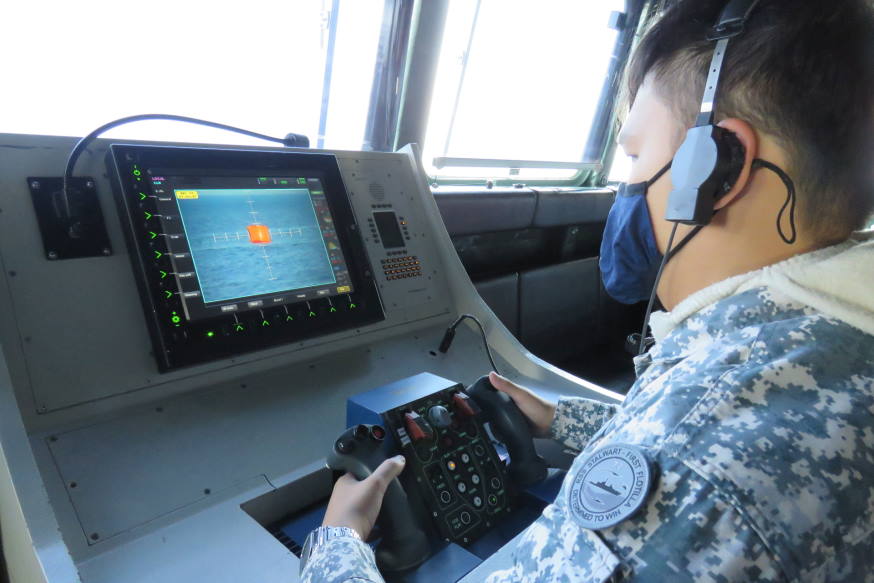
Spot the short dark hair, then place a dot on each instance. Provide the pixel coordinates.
(803, 72)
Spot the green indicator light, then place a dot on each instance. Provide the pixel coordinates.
(262, 179)
(142, 196)
(312, 314)
(317, 192)
(333, 309)
(175, 319)
(301, 180)
(152, 234)
(265, 323)
(168, 294)
(210, 334)
(137, 172)
(283, 182)
(163, 273)
(158, 254)
(148, 215)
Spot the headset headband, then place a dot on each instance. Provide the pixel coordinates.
(731, 23)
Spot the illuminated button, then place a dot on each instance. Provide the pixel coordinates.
(210, 334)
(477, 501)
(475, 479)
(451, 465)
(493, 500)
(465, 458)
(137, 172)
(462, 487)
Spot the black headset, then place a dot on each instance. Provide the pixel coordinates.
(710, 159)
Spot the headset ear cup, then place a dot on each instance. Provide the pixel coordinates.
(730, 146)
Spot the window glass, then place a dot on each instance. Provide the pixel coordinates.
(258, 65)
(519, 80)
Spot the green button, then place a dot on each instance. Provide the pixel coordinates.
(175, 319)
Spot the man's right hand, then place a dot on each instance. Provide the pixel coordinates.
(539, 412)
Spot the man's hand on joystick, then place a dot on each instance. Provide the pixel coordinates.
(539, 412)
(356, 504)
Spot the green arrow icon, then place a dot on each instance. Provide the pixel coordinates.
(158, 254)
(163, 273)
(312, 314)
(264, 323)
(289, 318)
(352, 306)
(152, 234)
(142, 196)
(148, 215)
(333, 309)
(238, 327)
(168, 294)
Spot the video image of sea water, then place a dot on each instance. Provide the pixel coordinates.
(248, 242)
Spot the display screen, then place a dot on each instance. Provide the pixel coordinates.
(250, 242)
(389, 231)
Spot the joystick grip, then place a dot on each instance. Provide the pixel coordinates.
(509, 426)
(404, 545)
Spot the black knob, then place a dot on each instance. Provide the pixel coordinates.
(439, 416)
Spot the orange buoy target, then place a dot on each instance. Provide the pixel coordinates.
(259, 234)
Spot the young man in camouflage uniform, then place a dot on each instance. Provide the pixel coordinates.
(754, 410)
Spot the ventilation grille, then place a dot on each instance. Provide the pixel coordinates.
(377, 191)
(287, 541)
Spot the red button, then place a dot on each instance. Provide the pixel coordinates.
(465, 405)
(416, 426)
(377, 432)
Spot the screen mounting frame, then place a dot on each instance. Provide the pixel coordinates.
(178, 342)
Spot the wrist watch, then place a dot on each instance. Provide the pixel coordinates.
(322, 535)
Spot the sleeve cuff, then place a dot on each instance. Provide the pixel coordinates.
(340, 560)
(577, 420)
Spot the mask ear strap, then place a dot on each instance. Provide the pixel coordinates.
(790, 200)
(659, 174)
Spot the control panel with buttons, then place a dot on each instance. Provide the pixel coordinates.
(452, 462)
(236, 251)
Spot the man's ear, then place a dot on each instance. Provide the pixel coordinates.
(747, 136)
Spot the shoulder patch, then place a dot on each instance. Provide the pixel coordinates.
(610, 486)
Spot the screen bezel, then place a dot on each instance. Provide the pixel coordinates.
(185, 343)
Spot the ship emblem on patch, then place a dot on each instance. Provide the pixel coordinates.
(610, 486)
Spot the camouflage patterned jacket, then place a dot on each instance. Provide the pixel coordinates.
(756, 411)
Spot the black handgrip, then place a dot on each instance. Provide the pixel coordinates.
(404, 544)
(510, 427)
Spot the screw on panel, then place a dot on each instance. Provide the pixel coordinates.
(73, 484)
(107, 251)
(94, 536)
(53, 438)
(207, 491)
(52, 255)
(89, 184)
(35, 185)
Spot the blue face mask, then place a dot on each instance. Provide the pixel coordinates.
(630, 259)
(629, 256)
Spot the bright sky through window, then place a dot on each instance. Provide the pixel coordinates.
(257, 65)
(519, 80)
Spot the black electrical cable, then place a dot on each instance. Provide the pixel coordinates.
(655, 286)
(449, 336)
(290, 140)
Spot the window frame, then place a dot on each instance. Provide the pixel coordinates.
(422, 56)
